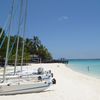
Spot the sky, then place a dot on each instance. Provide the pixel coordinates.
(68, 28)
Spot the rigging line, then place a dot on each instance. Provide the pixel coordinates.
(21, 5)
(26, 7)
(10, 22)
(22, 17)
(2, 42)
(10, 51)
(6, 28)
(6, 23)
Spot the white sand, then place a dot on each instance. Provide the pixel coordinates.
(70, 86)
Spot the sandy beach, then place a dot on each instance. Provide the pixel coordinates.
(70, 85)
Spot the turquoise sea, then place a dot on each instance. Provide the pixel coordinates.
(89, 67)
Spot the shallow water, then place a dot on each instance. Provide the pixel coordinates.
(89, 67)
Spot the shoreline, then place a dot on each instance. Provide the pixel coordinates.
(82, 73)
(71, 85)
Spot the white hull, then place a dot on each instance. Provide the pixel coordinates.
(31, 76)
(25, 83)
(23, 88)
(28, 75)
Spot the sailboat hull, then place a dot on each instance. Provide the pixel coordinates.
(23, 88)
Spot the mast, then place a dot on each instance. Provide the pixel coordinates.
(24, 33)
(18, 35)
(8, 43)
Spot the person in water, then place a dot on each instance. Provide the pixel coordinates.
(88, 68)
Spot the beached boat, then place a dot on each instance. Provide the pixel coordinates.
(21, 84)
(26, 83)
(35, 74)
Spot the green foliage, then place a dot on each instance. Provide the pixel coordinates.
(43, 53)
(32, 47)
(35, 47)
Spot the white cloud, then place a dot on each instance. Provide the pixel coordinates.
(63, 18)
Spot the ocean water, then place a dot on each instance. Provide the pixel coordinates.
(88, 67)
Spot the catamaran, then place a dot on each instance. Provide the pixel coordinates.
(39, 74)
(22, 84)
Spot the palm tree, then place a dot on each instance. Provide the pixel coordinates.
(36, 43)
(44, 53)
(37, 48)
